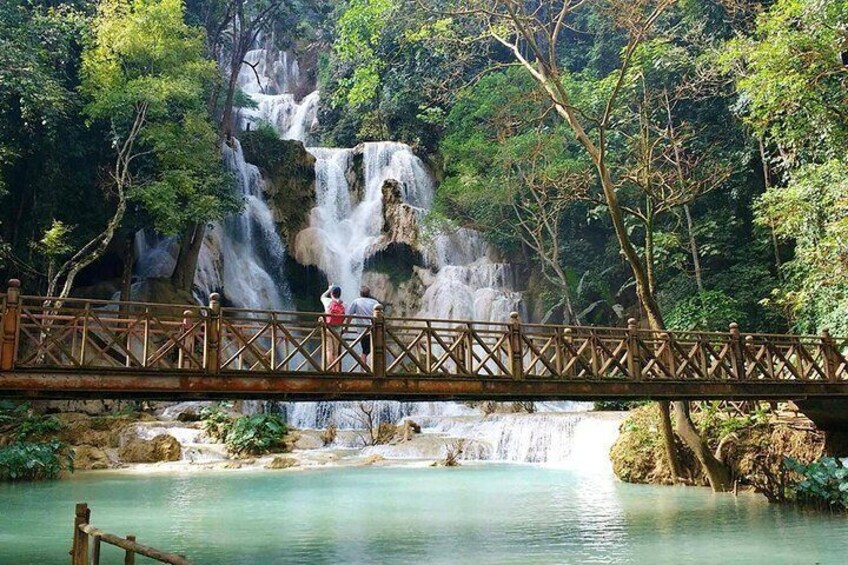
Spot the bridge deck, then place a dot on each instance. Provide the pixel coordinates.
(80, 348)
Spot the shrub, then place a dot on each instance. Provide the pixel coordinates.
(823, 484)
(25, 461)
(30, 454)
(616, 405)
(256, 434)
(216, 422)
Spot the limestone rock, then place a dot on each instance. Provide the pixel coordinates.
(289, 171)
(372, 459)
(281, 463)
(87, 457)
(400, 220)
(308, 441)
(161, 448)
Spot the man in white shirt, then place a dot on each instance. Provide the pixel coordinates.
(363, 306)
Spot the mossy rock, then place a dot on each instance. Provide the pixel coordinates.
(289, 171)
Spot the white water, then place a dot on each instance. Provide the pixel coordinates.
(243, 257)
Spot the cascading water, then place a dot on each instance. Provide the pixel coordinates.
(243, 255)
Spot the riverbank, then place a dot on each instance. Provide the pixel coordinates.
(175, 439)
(753, 445)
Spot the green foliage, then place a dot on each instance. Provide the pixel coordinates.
(616, 405)
(31, 455)
(811, 211)
(392, 71)
(143, 53)
(243, 435)
(711, 310)
(823, 484)
(146, 71)
(716, 423)
(216, 421)
(256, 434)
(25, 461)
(794, 87)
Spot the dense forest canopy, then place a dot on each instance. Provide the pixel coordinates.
(682, 161)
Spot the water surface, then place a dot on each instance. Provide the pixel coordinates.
(471, 514)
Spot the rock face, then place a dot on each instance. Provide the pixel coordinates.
(161, 448)
(89, 407)
(87, 458)
(400, 220)
(281, 463)
(289, 171)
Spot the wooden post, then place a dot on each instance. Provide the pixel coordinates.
(79, 550)
(95, 551)
(748, 359)
(516, 357)
(830, 356)
(212, 351)
(378, 343)
(129, 558)
(327, 345)
(11, 322)
(567, 344)
(184, 359)
(468, 347)
(634, 357)
(737, 361)
(669, 355)
(458, 345)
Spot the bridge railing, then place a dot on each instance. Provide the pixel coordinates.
(70, 334)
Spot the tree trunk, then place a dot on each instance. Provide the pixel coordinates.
(767, 184)
(668, 439)
(693, 248)
(190, 245)
(716, 471)
(129, 263)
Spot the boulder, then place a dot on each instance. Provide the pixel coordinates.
(281, 463)
(87, 457)
(308, 441)
(161, 448)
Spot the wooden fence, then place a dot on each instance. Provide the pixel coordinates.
(93, 337)
(88, 539)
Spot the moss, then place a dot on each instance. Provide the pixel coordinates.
(289, 171)
(752, 446)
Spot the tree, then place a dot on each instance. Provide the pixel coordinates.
(144, 71)
(792, 80)
(532, 32)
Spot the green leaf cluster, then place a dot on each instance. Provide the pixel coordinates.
(244, 435)
(33, 453)
(823, 483)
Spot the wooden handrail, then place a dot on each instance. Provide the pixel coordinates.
(84, 533)
(90, 337)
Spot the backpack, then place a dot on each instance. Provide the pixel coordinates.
(336, 313)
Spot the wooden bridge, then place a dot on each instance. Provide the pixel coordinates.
(89, 348)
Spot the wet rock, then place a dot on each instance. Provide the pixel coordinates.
(281, 463)
(372, 460)
(161, 448)
(87, 457)
(308, 441)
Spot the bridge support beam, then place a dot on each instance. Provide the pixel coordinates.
(831, 416)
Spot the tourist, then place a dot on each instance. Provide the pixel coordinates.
(364, 306)
(334, 315)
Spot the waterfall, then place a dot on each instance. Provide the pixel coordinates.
(462, 277)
